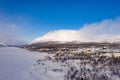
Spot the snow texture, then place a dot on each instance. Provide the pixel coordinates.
(19, 64)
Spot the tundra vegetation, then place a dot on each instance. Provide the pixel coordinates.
(89, 61)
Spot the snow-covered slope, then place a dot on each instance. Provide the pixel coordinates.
(58, 36)
(3, 44)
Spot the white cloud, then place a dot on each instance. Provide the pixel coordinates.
(107, 30)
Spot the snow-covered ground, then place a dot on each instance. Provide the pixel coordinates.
(3, 44)
(19, 64)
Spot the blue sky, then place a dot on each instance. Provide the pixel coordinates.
(37, 17)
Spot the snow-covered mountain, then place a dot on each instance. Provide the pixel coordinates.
(78, 36)
(68, 40)
(57, 36)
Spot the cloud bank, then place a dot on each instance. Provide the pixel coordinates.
(106, 30)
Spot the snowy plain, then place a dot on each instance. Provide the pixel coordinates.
(19, 64)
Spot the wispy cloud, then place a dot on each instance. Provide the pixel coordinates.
(106, 30)
(9, 31)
